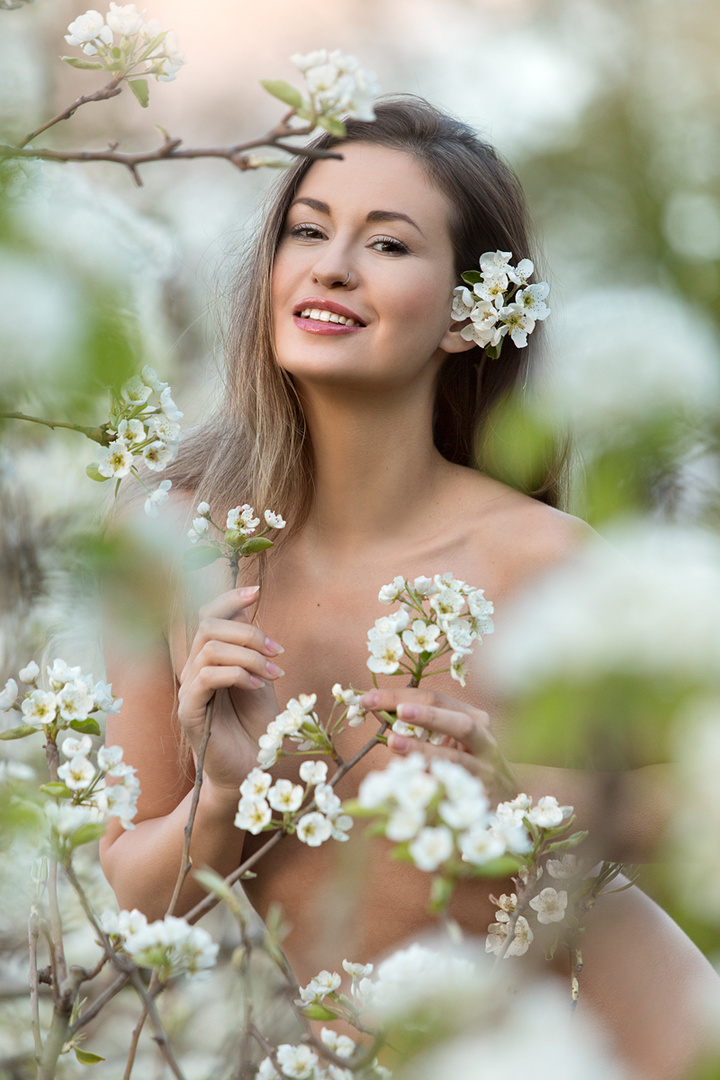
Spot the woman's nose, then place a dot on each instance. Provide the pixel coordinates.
(333, 271)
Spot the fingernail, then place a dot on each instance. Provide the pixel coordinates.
(399, 744)
(255, 682)
(250, 590)
(273, 670)
(273, 647)
(369, 700)
(407, 712)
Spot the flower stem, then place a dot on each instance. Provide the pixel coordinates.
(112, 89)
(186, 862)
(97, 434)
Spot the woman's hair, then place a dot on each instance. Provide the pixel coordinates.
(257, 448)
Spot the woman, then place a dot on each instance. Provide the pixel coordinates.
(354, 406)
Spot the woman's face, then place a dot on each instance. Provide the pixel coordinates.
(375, 217)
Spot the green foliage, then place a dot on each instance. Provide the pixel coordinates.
(20, 732)
(84, 65)
(86, 1058)
(195, 558)
(141, 91)
(89, 726)
(283, 91)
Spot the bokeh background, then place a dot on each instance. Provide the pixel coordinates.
(609, 110)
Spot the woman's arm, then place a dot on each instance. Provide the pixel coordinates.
(160, 727)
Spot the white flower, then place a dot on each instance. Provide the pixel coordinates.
(492, 289)
(340, 826)
(447, 601)
(547, 814)
(29, 674)
(256, 784)
(157, 498)
(125, 19)
(148, 374)
(532, 300)
(108, 759)
(313, 829)
(457, 667)
(77, 773)
(392, 592)
(120, 800)
(270, 746)
(9, 693)
(327, 801)
(73, 747)
(550, 905)
(167, 404)
(158, 455)
(422, 637)
(169, 62)
(431, 847)
(285, 796)
(200, 525)
(405, 823)
(313, 772)
(132, 432)
(517, 322)
(463, 303)
(325, 982)
(337, 84)
(357, 971)
(114, 460)
(16, 770)
(386, 654)
(253, 814)
(60, 673)
(39, 708)
(412, 731)
(479, 846)
(75, 700)
(241, 518)
(165, 429)
(275, 521)
(65, 818)
(413, 787)
(464, 813)
(102, 692)
(342, 1045)
(564, 868)
(493, 263)
(203, 509)
(88, 28)
(298, 1062)
(497, 933)
(459, 635)
(135, 391)
(375, 790)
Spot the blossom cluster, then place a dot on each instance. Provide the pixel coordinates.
(499, 302)
(86, 781)
(71, 700)
(143, 49)
(259, 796)
(443, 814)
(140, 429)
(236, 539)
(170, 945)
(299, 723)
(439, 615)
(337, 85)
(549, 905)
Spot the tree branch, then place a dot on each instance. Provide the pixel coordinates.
(112, 89)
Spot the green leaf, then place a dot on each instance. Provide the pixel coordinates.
(85, 65)
(493, 351)
(57, 790)
(197, 557)
(283, 91)
(86, 1058)
(18, 732)
(255, 544)
(95, 474)
(502, 867)
(471, 277)
(441, 893)
(141, 91)
(334, 127)
(318, 1012)
(86, 727)
(215, 884)
(87, 833)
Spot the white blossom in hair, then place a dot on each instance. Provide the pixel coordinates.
(498, 301)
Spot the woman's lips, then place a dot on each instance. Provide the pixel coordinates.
(318, 316)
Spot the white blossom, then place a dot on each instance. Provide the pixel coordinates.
(404, 823)
(550, 905)
(325, 982)
(166, 430)
(256, 784)
(498, 931)
(8, 694)
(108, 759)
(102, 692)
(314, 829)
(563, 868)
(422, 637)
(88, 28)
(313, 772)
(547, 813)
(132, 432)
(158, 455)
(285, 796)
(203, 509)
(532, 299)
(342, 1045)
(297, 1062)
(135, 391)
(66, 818)
(386, 654)
(39, 708)
(390, 593)
(275, 521)
(77, 773)
(242, 519)
(157, 498)
(76, 700)
(148, 374)
(431, 847)
(168, 406)
(29, 674)
(338, 86)
(124, 19)
(114, 460)
(73, 747)
(253, 814)
(480, 845)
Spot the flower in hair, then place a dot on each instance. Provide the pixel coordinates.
(498, 301)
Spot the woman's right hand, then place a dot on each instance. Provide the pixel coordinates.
(235, 660)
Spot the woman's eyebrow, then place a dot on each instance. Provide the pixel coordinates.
(373, 217)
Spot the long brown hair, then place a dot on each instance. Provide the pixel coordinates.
(256, 448)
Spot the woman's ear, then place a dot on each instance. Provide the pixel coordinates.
(452, 342)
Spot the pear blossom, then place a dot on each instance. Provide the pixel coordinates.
(390, 593)
(564, 868)
(285, 796)
(148, 374)
(157, 456)
(8, 695)
(124, 19)
(431, 847)
(422, 637)
(60, 673)
(386, 654)
(102, 692)
(241, 518)
(480, 845)
(89, 28)
(532, 299)
(405, 823)
(517, 322)
(66, 818)
(482, 328)
(493, 263)
(108, 758)
(340, 826)
(463, 303)
(39, 708)
(342, 1045)
(166, 430)
(253, 814)
(547, 813)
(131, 432)
(275, 521)
(77, 773)
(256, 784)
(135, 391)
(314, 829)
(29, 673)
(76, 700)
(203, 509)
(73, 747)
(325, 982)
(120, 800)
(168, 406)
(337, 85)
(550, 905)
(313, 772)
(157, 498)
(114, 460)
(498, 931)
(424, 586)
(297, 1062)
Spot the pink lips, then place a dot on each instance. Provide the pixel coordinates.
(313, 326)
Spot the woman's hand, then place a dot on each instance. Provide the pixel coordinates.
(233, 659)
(465, 731)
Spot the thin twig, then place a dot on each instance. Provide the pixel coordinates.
(33, 933)
(112, 89)
(99, 1003)
(160, 1036)
(134, 1043)
(97, 434)
(186, 861)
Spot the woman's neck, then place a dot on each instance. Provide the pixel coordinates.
(376, 467)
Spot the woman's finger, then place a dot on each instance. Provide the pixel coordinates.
(231, 604)
(436, 712)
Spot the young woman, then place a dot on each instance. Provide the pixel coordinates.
(356, 408)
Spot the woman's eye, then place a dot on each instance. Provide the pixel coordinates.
(389, 245)
(306, 232)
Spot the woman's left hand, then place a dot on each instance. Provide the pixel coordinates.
(465, 731)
